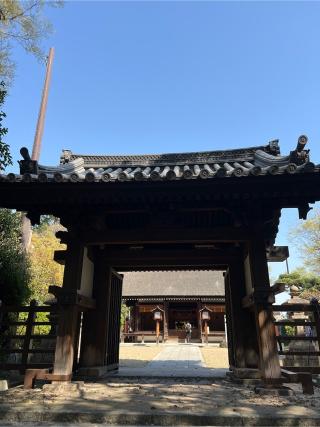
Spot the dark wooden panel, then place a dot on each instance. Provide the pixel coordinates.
(114, 320)
(165, 235)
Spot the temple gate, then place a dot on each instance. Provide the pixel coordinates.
(216, 210)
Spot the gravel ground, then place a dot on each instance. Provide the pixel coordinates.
(202, 396)
(138, 356)
(215, 357)
(122, 397)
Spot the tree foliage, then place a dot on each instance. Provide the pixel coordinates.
(308, 283)
(14, 265)
(5, 156)
(124, 313)
(44, 270)
(307, 236)
(300, 278)
(22, 22)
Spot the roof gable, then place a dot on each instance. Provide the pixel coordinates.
(173, 283)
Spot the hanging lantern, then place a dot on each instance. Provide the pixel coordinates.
(157, 315)
(205, 315)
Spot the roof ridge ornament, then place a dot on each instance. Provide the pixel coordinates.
(27, 165)
(300, 156)
(274, 147)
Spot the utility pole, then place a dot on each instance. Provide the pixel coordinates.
(43, 109)
(26, 226)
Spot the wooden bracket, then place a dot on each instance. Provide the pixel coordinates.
(72, 298)
(258, 296)
(263, 296)
(305, 378)
(32, 375)
(278, 288)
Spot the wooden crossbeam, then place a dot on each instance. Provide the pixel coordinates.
(294, 307)
(296, 338)
(311, 369)
(305, 378)
(294, 322)
(32, 375)
(299, 353)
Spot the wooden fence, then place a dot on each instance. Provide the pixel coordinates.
(312, 322)
(26, 333)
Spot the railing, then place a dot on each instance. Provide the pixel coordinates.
(141, 334)
(23, 330)
(218, 335)
(313, 323)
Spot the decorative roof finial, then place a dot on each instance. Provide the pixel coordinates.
(300, 156)
(27, 165)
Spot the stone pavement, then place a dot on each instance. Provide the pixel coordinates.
(175, 361)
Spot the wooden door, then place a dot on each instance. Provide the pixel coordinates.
(114, 314)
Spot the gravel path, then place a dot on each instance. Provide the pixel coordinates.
(137, 356)
(215, 357)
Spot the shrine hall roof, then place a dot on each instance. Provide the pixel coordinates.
(173, 283)
(259, 160)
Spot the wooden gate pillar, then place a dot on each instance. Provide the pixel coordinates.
(114, 318)
(95, 322)
(262, 300)
(69, 314)
(101, 327)
(241, 328)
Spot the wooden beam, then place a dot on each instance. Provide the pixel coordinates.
(278, 254)
(173, 259)
(268, 355)
(146, 257)
(165, 235)
(294, 307)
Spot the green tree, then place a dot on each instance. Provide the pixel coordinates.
(44, 271)
(22, 22)
(124, 313)
(307, 237)
(14, 265)
(5, 156)
(308, 283)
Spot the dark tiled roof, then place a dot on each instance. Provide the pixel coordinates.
(173, 283)
(170, 159)
(260, 160)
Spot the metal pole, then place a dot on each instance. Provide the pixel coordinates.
(287, 266)
(43, 108)
(26, 225)
(225, 328)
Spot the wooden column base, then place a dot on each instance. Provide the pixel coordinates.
(269, 360)
(65, 344)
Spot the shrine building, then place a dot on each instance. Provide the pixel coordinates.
(182, 295)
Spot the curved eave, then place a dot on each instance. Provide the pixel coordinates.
(156, 174)
(287, 188)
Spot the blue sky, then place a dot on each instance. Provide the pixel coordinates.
(138, 77)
